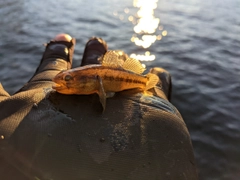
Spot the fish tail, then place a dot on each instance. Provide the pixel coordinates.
(153, 79)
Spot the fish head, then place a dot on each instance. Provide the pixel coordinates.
(64, 82)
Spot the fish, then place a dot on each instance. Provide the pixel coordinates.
(112, 75)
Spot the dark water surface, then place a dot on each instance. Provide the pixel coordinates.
(198, 43)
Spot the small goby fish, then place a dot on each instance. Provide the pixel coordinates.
(112, 75)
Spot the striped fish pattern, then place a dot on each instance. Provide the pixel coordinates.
(112, 75)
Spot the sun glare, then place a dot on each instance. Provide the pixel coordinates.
(145, 57)
(146, 27)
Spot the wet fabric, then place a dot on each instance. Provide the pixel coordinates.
(47, 135)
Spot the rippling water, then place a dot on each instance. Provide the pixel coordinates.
(200, 48)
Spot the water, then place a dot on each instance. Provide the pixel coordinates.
(199, 45)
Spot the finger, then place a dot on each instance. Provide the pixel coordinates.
(95, 48)
(164, 86)
(57, 57)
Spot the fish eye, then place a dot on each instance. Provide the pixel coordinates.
(68, 77)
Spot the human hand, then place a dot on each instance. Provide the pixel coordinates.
(48, 135)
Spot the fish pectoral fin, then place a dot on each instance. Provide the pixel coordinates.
(101, 93)
(153, 79)
(133, 65)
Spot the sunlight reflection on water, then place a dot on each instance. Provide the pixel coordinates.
(147, 28)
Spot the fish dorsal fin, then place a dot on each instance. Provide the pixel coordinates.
(111, 59)
(133, 65)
